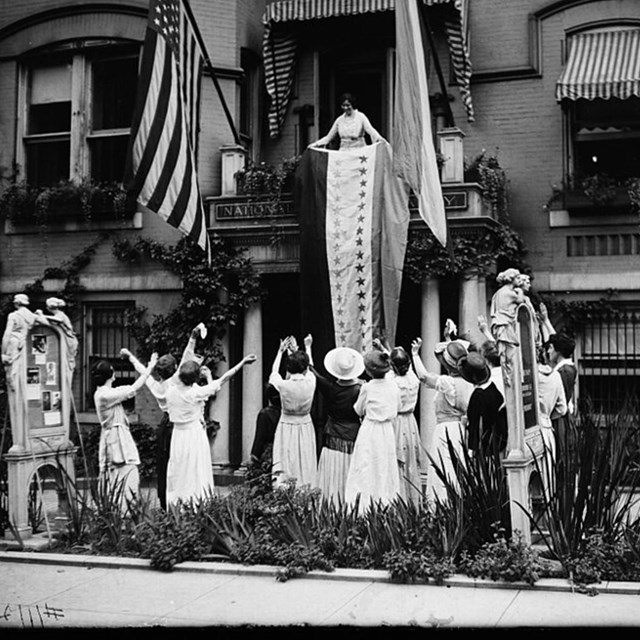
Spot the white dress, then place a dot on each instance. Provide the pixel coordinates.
(411, 459)
(189, 472)
(450, 401)
(294, 443)
(373, 474)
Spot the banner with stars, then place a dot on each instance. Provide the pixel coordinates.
(354, 220)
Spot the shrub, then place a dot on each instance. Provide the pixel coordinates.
(503, 559)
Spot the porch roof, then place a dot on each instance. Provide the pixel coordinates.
(280, 44)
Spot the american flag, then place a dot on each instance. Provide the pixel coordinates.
(161, 168)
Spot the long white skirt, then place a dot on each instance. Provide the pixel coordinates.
(333, 469)
(435, 486)
(189, 472)
(373, 473)
(411, 458)
(294, 453)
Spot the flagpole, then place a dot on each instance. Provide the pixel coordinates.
(436, 61)
(209, 67)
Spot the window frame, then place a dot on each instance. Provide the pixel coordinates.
(80, 54)
(122, 367)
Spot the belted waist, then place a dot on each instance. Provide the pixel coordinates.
(405, 413)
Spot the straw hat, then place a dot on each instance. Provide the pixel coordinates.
(474, 368)
(344, 363)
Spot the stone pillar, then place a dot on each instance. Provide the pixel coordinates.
(251, 376)
(452, 150)
(469, 306)
(221, 412)
(233, 160)
(431, 334)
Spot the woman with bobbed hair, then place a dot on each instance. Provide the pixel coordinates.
(294, 444)
(350, 127)
(118, 457)
(189, 472)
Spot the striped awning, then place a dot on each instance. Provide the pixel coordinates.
(280, 45)
(601, 64)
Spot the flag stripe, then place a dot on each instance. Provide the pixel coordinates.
(159, 109)
(161, 171)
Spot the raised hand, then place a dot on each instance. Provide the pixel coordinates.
(415, 346)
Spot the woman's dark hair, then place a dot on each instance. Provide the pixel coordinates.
(101, 372)
(489, 350)
(400, 361)
(165, 367)
(348, 97)
(563, 344)
(297, 362)
(189, 372)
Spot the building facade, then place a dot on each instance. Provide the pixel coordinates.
(551, 88)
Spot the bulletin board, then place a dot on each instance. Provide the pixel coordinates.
(44, 383)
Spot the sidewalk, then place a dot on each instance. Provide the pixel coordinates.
(54, 591)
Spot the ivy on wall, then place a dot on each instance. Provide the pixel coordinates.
(215, 295)
(500, 246)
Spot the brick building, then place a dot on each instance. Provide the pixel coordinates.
(519, 81)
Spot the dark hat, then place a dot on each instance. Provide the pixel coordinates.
(452, 353)
(474, 368)
(377, 362)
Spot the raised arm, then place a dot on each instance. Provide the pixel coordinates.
(421, 371)
(144, 372)
(308, 341)
(483, 325)
(227, 375)
(546, 328)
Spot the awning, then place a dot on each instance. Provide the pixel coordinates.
(280, 45)
(601, 64)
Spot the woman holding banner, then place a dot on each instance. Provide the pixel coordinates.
(350, 127)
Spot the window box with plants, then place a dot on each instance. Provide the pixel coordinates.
(85, 201)
(594, 193)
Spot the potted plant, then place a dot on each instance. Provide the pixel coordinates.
(22, 203)
(598, 191)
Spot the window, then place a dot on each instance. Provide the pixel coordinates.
(105, 334)
(606, 137)
(609, 361)
(598, 91)
(77, 113)
(249, 101)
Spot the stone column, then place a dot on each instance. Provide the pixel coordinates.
(251, 376)
(469, 306)
(431, 334)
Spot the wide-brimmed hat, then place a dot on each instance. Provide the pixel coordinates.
(474, 368)
(344, 363)
(21, 298)
(377, 362)
(452, 353)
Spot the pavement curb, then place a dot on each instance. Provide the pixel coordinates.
(365, 575)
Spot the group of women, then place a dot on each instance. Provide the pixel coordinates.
(184, 455)
(370, 445)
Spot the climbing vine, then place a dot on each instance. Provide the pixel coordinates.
(501, 245)
(214, 294)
